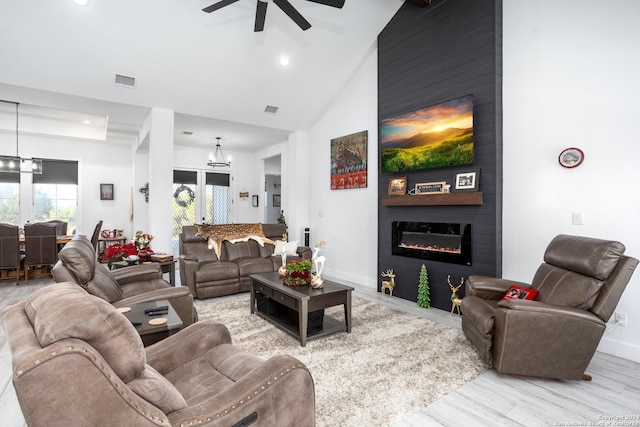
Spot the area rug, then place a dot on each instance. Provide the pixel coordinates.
(390, 365)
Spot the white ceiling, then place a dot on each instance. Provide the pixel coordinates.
(213, 70)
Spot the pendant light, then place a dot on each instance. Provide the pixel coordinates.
(217, 160)
(17, 164)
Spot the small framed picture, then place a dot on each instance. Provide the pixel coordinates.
(397, 186)
(276, 200)
(431, 187)
(106, 191)
(467, 181)
(571, 157)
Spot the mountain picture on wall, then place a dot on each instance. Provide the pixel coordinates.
(437, 136)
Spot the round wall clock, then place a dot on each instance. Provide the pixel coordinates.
(571, 157)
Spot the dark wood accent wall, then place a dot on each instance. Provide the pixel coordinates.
(426, 56)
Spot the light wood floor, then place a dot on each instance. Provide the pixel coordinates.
(488, 400)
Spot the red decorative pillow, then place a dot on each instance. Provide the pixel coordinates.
(518, 292)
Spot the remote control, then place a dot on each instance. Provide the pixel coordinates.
(163, 307)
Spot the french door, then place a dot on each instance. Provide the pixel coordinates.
(199, 197)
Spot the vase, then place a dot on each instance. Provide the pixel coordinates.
(317, 281)
(142, 254)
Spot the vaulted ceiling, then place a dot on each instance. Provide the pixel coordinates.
(212, 69)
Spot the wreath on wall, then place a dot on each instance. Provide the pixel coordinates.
(184, 196)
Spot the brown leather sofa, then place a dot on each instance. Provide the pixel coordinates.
(208, 276)
(122, 287)
(77, 361)
(555, 335)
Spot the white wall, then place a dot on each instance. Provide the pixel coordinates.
(571, 80)
(347, 219)
(98, 163)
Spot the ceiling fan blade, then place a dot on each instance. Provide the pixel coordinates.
(293, 13)
(218, 5)
(261, 13)
(332, 3)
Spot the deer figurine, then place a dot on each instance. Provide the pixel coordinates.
(455, 300)
(388, 284)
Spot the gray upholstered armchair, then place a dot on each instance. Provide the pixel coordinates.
(556, 334)
(77, 361)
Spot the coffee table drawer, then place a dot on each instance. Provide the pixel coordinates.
(262, 289)
(283, 299)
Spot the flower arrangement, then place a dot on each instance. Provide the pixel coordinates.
(116, 252)
(298, 273)
(142, 240)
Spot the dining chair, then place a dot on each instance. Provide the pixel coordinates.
(61, 226)
(41, 249)
(96, 235)
(10, 258)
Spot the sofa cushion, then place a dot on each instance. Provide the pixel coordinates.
(157, 390)
(63, 310)
(248, 266)
(565, 288)
(219, 270)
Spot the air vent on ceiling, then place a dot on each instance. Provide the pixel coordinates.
(271, 109)
(187, 132)
(122, 80)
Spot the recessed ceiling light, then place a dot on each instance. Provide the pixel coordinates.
(86, 122)
(80, 2)
(284, 61)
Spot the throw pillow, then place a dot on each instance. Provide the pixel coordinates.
(290, 248)
(518, 292)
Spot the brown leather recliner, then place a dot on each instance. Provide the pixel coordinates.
(77, 361)
(556, 334)
(139, 283)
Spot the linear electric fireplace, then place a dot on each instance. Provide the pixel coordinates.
(437, 241)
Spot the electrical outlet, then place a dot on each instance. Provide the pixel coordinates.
(621, 319)
(578, 218)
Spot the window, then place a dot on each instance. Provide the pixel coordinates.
(10, 198)
(55, 192)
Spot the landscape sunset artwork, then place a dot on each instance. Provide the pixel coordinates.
(433, 137)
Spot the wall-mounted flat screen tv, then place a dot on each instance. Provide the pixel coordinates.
(433, 137)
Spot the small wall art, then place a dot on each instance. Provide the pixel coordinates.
(106, 191)
(349, 161)
(276, 200)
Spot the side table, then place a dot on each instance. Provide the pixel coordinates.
(166, 267)
(149, 333)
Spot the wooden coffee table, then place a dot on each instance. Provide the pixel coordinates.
(149, 333)
(299, 310)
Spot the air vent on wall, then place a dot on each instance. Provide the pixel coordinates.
(187, 132)
(271, 109)
(122, 80)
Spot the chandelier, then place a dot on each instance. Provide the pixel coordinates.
(17, 164)
(213, 157)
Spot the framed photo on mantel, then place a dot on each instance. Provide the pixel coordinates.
(467, 181)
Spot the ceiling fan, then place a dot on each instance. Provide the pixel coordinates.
(261, 10)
